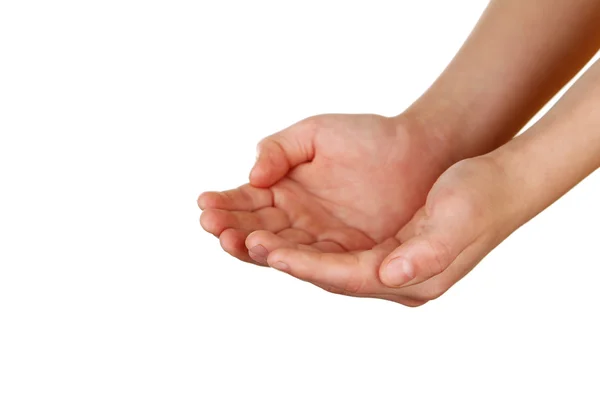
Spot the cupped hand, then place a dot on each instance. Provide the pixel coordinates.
(470, 209)
(339, 186)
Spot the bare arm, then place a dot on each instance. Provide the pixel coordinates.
(560, 150)
(479, 202)
(471, 209)
(519, 55)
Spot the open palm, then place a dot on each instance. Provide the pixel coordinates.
(330, 183)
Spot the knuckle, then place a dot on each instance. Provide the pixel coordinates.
(311, 124)
(458, 194)
(455, 201)
(442, 256)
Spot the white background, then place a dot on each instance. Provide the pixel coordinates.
(115, 115)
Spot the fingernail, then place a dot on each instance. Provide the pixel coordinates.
(259, 254)
(281, 266)
(398, 272)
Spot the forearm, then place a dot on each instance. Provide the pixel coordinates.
(557, 152)
(517, 57)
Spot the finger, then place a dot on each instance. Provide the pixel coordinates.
(216, 221)
(437, 285)
(261, 243)
(342, 271)
(415, 261)
(244, 198)
(437, 242)
(232, 241)
(279, 153)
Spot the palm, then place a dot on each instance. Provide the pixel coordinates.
(365, 180)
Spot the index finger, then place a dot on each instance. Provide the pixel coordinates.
(244, 198)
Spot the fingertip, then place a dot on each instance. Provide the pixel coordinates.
(202, 200)
(256, 173)
(271, 164)
(415, 261)
(257, 249)
(266, 238)
(205, 221)
(262, 175)
(258, 253)
(254, 239)
(208, 200)
(256, 177)
(210, 222)
(232, 242)
(397, 272)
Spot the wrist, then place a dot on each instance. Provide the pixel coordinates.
(443, 127)
(467, 124)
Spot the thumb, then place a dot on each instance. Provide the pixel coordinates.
(416, 260)
(282, 151)
(432, 250)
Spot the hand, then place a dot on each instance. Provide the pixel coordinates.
(469, 211)
(330, 184)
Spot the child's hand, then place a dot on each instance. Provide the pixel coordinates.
(469, 210)
(330, 183)
(339, 191)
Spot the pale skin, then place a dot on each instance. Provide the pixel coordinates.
(371, 206)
